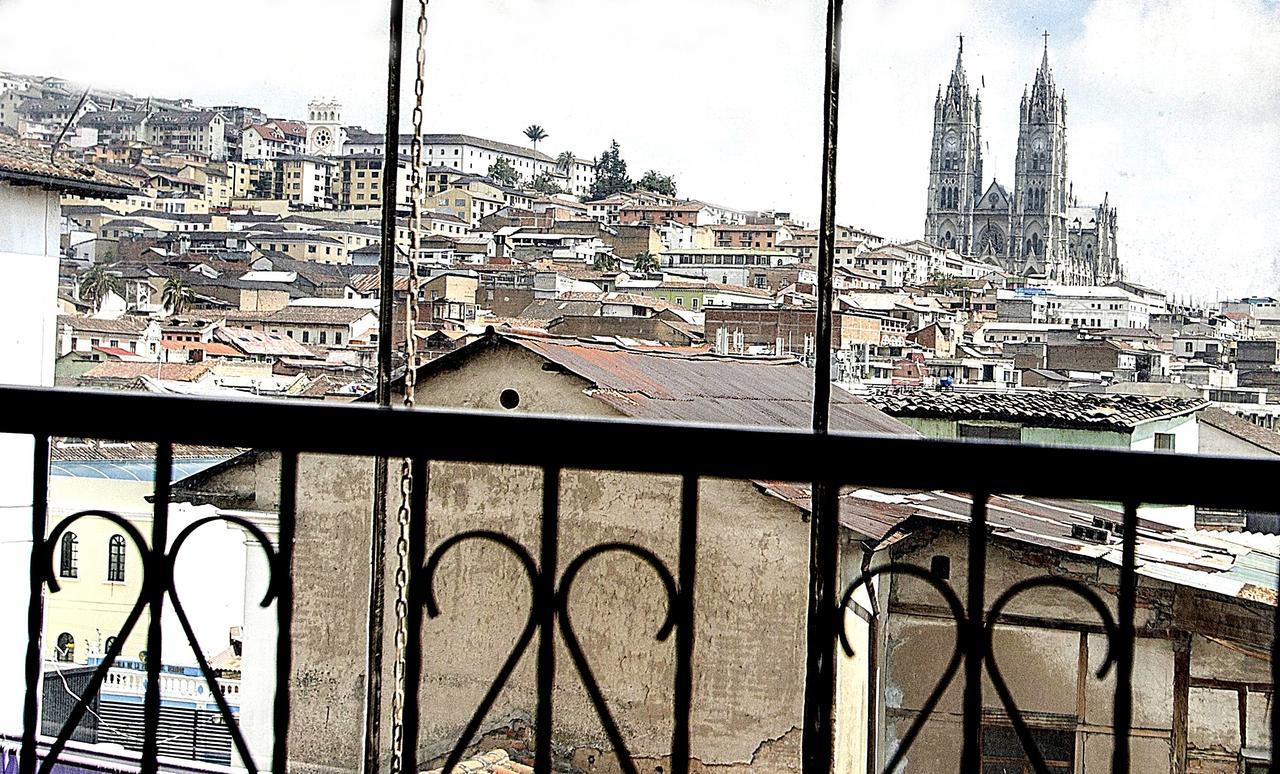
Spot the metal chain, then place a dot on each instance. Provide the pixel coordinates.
(410, 384)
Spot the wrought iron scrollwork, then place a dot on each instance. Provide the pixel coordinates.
(1112, 633)
(157, 568)
(423, 591)
(957, 651)
(963, 645)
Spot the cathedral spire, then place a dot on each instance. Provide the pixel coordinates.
(1044, 60)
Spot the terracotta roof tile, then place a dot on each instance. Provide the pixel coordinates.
(27, 164)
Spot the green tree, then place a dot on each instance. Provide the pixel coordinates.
(657, 182)
(543, 184)
(96, 283)
(611, 174)
(536, 134)
(503, 171)
(605, 262)
(177, 296)
(564, 161)
(646, 263)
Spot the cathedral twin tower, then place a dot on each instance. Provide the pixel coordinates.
(1037, 230)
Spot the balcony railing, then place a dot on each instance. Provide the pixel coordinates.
(555, 444)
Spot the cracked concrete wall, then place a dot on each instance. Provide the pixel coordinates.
(750, 603)
(750, 594)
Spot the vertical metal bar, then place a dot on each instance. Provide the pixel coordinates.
(548, 565)
(157, 580)
(974, 634)
(35, 603)
(390, 170)
(386, 314)
(827, 226)
(1275, 681)
(685, 631)
(818, 737)
(1122, 709)
(282, 578)
(413, 618)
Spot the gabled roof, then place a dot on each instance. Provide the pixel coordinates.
(1001, 202)
(665, 385)
(1243, 429)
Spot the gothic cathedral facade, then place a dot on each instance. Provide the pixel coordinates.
(1037, 230)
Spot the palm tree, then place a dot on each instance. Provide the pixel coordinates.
(96, 283)
(605, 262)
(565, 161)
(536, 134)
(177, 296)
(646, 262)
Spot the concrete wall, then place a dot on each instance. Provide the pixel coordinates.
(30, 220)
(1215, 441)
(751, 599)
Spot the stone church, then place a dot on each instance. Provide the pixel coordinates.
(1036, 230)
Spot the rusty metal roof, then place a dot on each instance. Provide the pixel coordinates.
(679, 386)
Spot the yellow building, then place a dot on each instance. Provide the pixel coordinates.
(304, 246)
(97, 564)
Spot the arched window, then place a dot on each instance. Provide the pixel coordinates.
(111, 643)
(69, 561)
(66, 647)
(115, 559)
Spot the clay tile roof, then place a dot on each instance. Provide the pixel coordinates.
(126, 325)
(118, 370)
(1096, 411)
(27, 165)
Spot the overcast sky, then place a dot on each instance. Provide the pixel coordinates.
(1172, 106)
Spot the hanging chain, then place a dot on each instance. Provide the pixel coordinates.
(410, 384)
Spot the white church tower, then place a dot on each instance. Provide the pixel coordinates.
(325, 136)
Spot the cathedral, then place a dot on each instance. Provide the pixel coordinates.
(1037, 229)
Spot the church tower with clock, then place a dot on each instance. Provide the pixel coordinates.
(325, 136)
(1040, 177)
(955, 163)
(1037, 230)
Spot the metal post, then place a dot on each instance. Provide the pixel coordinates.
(818, 740)
(158, 579)
(386, 313)
(35, 603)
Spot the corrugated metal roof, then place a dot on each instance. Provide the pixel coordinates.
(1244, 566)
(653, 384)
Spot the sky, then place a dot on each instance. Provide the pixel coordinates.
(1172, 106)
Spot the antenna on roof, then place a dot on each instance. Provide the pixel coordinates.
(70, 120)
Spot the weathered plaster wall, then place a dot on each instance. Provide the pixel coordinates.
(1050, 659)
(750, 604)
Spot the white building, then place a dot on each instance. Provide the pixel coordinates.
(30, 227)
(1091, 306)
(474, 155)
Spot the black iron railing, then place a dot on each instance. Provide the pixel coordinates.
(693, 452)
